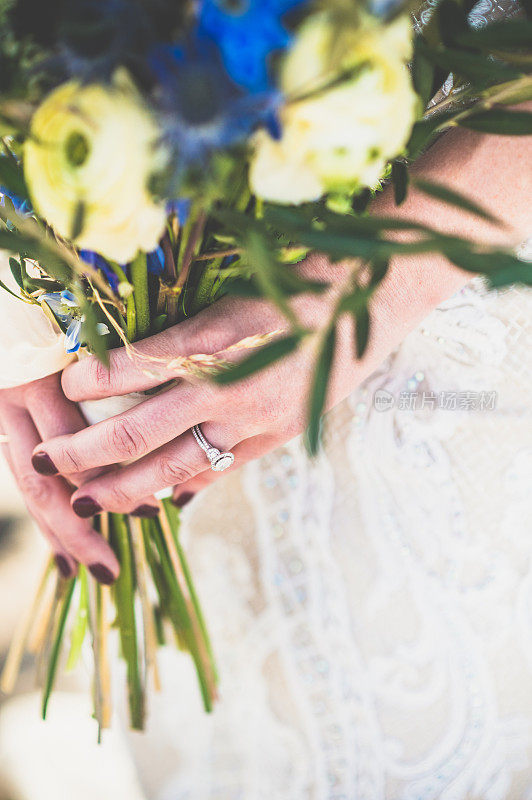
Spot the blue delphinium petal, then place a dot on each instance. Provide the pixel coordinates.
(68, 299)
(180, 207)
(65, 309)
(98, 262)
(155, 261)
(247, 32)
(72, 341)
(201, 109)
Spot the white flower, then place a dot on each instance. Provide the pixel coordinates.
(31, 346)
(338, 136)
(96, 145)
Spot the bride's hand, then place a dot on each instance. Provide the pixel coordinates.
(29, 413)
(249, 418)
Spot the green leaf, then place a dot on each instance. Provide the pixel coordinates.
(498, 35)
(400, 181)
(78, 220)
(16, 271)
(422, 73)
(362, 328)
(12, 177)
(452, 20)
(500, 121)
(452, 198)
(519, 273)
(426, 130)
(471, 65)
(89, 331)
(319, 390)
(258, 360)
(379, 269)
(488, 263)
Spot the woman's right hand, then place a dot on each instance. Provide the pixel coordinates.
(30, 414)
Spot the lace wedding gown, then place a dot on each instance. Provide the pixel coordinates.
(371, 610)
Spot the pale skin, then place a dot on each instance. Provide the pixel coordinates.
(264, 411)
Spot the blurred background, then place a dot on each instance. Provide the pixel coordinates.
(59, 758)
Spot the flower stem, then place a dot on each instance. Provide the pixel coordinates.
(139, 279)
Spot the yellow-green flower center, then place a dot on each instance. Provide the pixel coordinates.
(77, 149)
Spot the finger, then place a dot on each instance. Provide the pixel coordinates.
(211, 331)
(66, 565)
(177, 462)
(246, 451)
(148, 366)
(53, 415)
(48, 499)
(132, 434)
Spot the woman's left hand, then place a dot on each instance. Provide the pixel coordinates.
(248, 418)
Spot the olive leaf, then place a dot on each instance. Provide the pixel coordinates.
(319, 390)
(262, 358)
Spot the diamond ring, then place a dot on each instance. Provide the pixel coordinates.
(219, 461)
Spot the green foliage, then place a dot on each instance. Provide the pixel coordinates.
(450, 197)
(319, 389)
(501, 122)
(259, 360)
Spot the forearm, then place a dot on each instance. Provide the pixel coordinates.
(493, 171)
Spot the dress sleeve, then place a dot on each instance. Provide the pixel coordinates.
(30, 346)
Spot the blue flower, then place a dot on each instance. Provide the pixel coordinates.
(179, 207)
(200, 107)
(247, 32)
(98, 262)
(22, 207)
(155, 261)
(65, 309)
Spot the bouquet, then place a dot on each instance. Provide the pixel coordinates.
(159, 154)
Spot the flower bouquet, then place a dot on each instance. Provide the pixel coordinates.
(157, 155)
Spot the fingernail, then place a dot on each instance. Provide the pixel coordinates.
(43, 464)
(102, 574)
(145, 511)
(86, 507)
(182, 499)
(63, 566)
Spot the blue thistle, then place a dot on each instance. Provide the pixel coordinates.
(201, 109)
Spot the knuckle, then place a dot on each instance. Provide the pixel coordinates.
(36, 490)
(126, 439)
(100, 376)
(172, 470)
(118, 497)
(69, 460)
(211, 338)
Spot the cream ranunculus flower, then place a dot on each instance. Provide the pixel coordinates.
(31, 346)
(97, 145)
(341, 137)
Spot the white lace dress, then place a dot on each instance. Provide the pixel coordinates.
(372, 610)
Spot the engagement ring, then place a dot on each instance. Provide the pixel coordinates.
(219, 461)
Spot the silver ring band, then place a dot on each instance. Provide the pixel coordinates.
(219, 461)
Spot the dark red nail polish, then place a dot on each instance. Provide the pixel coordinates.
(63, 566)
(102, 574)
(43, 464)
(86, 507)
(182, 499)
(150, 512)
